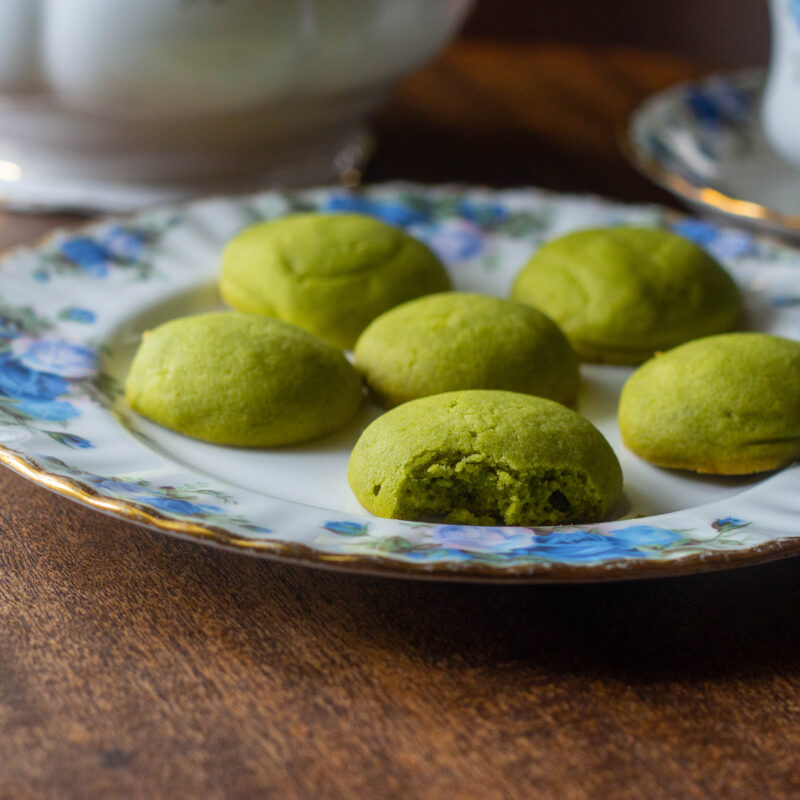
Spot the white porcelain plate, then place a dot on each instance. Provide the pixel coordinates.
(72, 311)
(703, 141)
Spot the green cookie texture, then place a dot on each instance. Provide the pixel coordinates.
(445, 342)
(330, 274)
(727, 405)
(241, 379)
(622, 294)
(485, 457)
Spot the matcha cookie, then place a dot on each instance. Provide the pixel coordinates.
(485, 457)
(444, 342)
(727, 405)
(622, 294)
(240, 379)
(330, 274)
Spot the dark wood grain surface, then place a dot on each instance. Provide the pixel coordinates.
(132, 665)
(717, 32)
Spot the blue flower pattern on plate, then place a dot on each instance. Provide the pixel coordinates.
(718, 104)
(347, 528)
(641, 541)
(484, 214)
(99, 253)
(565, 546)
(480, 539)
(115, 485)
(35, 373)
(18, 380)
(114, 245)
(176, 506)
(577, 546)
(50, 410)
(172, 500)
(722, 243)
(70, 440)
(87, 254)
(76, 314)
(126, 244)
(390, 211)
(452, 242)
(56, 357)
(522, 545)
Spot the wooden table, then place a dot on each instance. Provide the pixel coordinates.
(132, 665)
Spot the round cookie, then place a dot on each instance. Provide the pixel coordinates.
(330, 274)
(622, 294)
(485, 457)
(450, 341)
(727, 405)
(242, 379)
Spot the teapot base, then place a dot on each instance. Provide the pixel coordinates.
(57, 183)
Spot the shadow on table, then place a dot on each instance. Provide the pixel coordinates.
(733, 623)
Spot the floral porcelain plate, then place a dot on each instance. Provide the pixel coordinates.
(704, 142)
(73, 309)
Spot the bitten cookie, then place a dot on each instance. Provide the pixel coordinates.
(622, 294)
(241, 379)
(485, 457)
(330, 274)
(445, 342)
(727, 405)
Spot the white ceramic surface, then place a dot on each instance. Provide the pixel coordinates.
(116, 104)
(781, 105)
(72, 311)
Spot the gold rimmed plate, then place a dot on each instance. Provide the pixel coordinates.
(73, 308)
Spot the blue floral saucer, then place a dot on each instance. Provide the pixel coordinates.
(72, 311)
(703, 141)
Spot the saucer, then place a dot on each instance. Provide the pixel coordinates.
(703, 142)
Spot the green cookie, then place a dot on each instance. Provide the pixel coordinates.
(330, 274)
(444, 342)
(727, 405)
(241, 379)
(622, 294)
(485, 457)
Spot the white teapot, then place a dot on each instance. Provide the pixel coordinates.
(115, 103)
